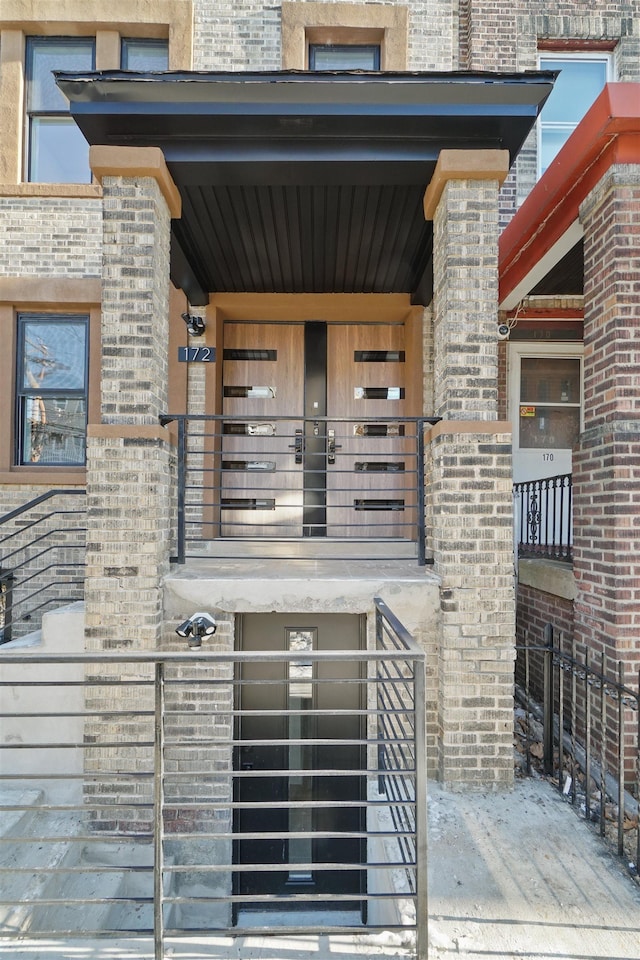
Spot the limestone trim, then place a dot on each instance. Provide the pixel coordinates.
(44, 293)
(464, 165)
(81, 191)
(129, 431)
(349, 23)
(549, 576)
(447, 428)
(360, 307)
(137, 162)
(106, 20)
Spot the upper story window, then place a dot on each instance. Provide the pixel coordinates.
(582, 77)
(51, 395)
(144, 55)
(344, 56)
(56, 150)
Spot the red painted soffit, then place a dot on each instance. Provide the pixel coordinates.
(608, 134)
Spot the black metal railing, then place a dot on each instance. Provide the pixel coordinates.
(543, 517)
(268, 478)
(123, 794)
(581, 722)
(42, 559)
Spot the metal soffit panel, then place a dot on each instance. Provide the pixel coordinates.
(305, 238)
(298, 182)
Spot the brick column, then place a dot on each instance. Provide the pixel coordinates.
(469, 477)
(606, 464)
(128, 472)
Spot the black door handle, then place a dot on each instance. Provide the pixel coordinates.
(332, 446)
(298, 445)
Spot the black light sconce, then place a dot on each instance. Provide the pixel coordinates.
(195, 325)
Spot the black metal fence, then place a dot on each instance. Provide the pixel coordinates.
(121, 776)
(290, 478)
(543, 517)
(580, 723)
(42, 546)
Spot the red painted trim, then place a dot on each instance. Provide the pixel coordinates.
(560, 315)
(575, 46)
(608, 134)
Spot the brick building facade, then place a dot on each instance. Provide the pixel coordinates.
(104, 253)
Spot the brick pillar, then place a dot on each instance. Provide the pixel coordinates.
(128, 470)
(469, 477)
(606, 464)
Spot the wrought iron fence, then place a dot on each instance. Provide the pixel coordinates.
(580, 722)
(42, 546)
(121, 800)
(283, 477)
(543, 517)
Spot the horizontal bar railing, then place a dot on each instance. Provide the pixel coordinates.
(285, 477)
(582, 723)
(42, 559)
(543, 517)
(125, 811)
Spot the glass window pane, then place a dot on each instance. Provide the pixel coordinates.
(58, 152)
(146, 55)
(578, 85)
(58, 53)
(552, 139)
(344, 57)
(552, 428)
(53, 430)
(54, 355)
(550, 380)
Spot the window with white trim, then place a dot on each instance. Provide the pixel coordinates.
(546, 396)
(582, 77)
(51, 389)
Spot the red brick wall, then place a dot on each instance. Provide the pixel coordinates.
(534, 610)
(606, 472)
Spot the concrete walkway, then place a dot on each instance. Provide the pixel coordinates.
(511, 876)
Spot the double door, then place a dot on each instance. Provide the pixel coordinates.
(300, 800)
(316, 446)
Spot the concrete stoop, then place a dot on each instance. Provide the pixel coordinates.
(48, 866)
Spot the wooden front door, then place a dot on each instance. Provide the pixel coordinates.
(309, 476)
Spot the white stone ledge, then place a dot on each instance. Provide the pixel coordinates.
(550, 576)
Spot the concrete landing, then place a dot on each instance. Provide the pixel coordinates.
(253, 585)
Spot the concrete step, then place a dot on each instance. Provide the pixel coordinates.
(309, 548)
(14, 822)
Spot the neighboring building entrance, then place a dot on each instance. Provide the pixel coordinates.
(307, 476)
(285, 709)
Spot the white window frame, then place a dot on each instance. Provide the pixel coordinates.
(571, 56)
(550, 459)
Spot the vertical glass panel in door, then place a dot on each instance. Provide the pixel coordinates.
(300, 701)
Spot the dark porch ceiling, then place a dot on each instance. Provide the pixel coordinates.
(304, 182)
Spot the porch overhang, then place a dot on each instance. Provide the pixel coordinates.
(541, 250)
(305, 182)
